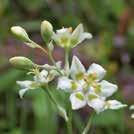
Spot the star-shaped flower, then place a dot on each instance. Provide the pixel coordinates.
(40, 79)
(26, 85)
(87, 87)
(68, 39)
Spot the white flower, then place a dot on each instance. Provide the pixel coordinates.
(45, 76)
(40, 79)
(26, 85)
(86, 87)
(68, 39)
(114, 104)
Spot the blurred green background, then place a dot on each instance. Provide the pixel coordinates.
(112, 24)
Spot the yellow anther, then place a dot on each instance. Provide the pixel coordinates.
(70, 29)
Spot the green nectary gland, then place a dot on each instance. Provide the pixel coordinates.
(92, 96)
(79, 96)
(35, 85)
(80, 76)
(73, 85)
(64, 41)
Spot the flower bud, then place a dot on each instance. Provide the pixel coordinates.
(21, 62)
(46, 31)
(62, 113)
(20, 33)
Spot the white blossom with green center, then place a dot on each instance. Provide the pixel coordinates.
(87, 87)
(68, 39)
(40, 79)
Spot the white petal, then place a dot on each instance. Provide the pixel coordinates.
(97, 105)
(22, 92)
(114, 104)
(107, 88)
(52, 74)
(62, 112)
(63, 30)
(44, 73)
(64, 83)
(77, 69)
(85, 36)
(132, 116)
(58, 64)
(77, 31)
(95, 102)
(24, 84)
(69, 85)
(41, 77)
(131, 107)
(62, 38)
(98, 70)
(77, 100)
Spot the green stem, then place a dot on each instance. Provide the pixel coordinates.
(69, 123)
(50, 96)
(67, 60)
(38, 46)
(49, 55)
(88, 125)
(61, 111)
(53, 61)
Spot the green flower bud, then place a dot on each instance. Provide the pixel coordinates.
(21, 62)
(20, 33)
(46, 31)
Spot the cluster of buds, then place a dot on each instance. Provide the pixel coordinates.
(85, 87)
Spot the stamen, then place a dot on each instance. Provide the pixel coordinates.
(70, 29)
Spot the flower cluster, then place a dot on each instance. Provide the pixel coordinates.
(85, 87)
(40, 79)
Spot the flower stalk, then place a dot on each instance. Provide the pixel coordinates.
(69, 123)
(60, 109)
(67, 61)
(88, 125)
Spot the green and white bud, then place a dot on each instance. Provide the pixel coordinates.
(21, 62)
(20, 33)
(46, 31)
(62, 112)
